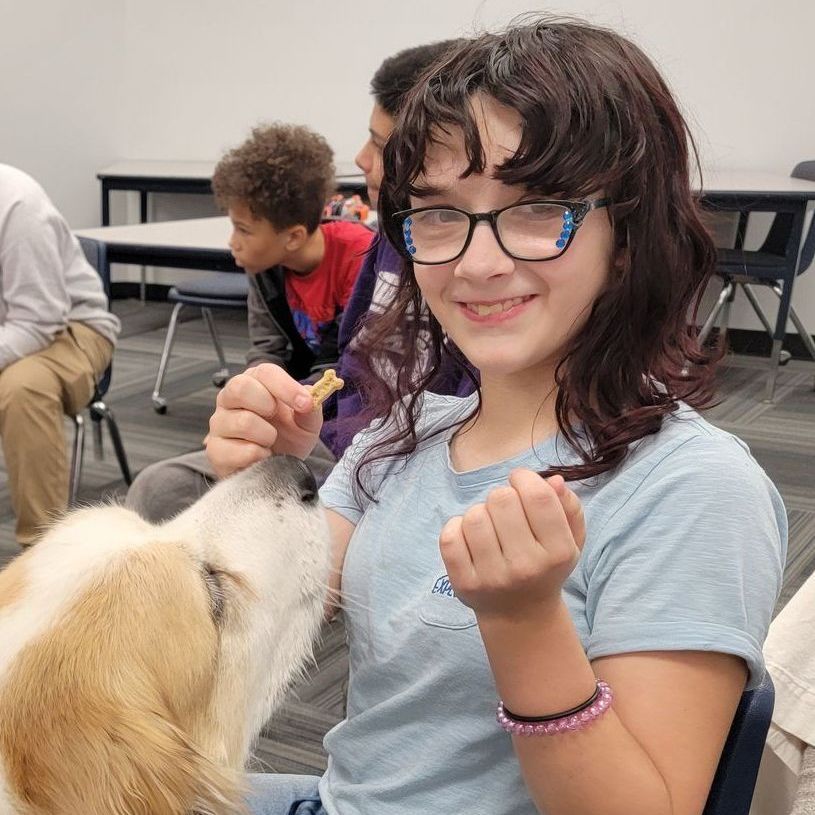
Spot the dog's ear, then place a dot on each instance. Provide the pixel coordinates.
(152, 768)
(118, 761)
(103, 713)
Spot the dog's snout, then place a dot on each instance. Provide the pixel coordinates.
(307, 483)
(301, 476)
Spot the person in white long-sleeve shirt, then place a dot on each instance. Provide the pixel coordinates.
(56, 340)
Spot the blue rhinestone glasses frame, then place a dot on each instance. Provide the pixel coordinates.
(574, 212)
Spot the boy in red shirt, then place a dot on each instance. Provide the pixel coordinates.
(301, 272)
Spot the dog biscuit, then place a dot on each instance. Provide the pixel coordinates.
(325, 386)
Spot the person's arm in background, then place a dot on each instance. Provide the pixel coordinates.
(269, 342)
(34, 288)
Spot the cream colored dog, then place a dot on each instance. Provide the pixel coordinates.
(138, 662)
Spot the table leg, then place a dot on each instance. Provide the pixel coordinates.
(105, 204)
(143, 202)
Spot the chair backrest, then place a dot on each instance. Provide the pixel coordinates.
(806, 171)
(735, 779)
(96, 254)
(777, 240)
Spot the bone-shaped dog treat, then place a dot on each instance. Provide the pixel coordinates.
(325, 386)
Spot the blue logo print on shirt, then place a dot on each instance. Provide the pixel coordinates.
(442, 586)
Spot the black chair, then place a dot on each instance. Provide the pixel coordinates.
(223, 290)
(735, 779)
(774, 265)
(96, 253)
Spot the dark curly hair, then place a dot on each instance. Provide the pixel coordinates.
(596, 115)
(282, 172)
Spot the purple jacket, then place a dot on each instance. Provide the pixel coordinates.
(343, 411)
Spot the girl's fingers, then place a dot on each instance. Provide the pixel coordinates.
(245, 392)
(293, 401)
(515, 538)
(229, 456)
(454, 552)
(573, 508)
(544, 511)
(482, 541)
(243, 425)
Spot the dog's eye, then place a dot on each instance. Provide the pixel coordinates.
(217, 595)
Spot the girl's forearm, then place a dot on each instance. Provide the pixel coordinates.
(540, 668)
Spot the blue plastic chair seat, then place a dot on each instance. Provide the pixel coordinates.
(219, 290)
(757, 265)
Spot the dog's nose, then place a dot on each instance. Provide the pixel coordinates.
(301, 476)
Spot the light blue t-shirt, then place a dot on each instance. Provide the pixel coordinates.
(685, 549)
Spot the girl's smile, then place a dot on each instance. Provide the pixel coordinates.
(492, 312)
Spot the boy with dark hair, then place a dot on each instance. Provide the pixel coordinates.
(301, 272)
(344, 411)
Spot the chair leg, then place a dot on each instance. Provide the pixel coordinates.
(806, 337)
(219, 377)
(98, 447)
(721, 302)
(159, 403)
(751, 296)
(76, 459)
(785, 356)
(101, 412)
(724, 320)
(785, 297)
(772, 375)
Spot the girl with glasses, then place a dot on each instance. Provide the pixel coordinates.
(574, 539)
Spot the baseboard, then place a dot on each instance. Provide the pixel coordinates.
(126, 290)
(758, 343)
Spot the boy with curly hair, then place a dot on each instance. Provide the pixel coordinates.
(301, 271)
(167, 487)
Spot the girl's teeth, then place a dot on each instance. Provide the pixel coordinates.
(482, 309)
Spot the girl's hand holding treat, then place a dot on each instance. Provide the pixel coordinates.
(261, 412)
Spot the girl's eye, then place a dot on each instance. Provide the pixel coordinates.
(441, 217)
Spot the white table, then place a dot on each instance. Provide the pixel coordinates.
(755, 183)
(196, 243)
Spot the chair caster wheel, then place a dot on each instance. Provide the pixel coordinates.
(159, 405)
(220, 378)
(784, 358)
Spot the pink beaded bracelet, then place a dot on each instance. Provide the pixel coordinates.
(570, 720)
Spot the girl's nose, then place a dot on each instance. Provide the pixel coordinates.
(484, 257)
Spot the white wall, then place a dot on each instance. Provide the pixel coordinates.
(61, 117)
(200, 72)
(87, 82)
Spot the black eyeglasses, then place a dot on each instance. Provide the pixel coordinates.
(533, 231)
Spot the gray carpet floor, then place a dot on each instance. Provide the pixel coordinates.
(781, 436)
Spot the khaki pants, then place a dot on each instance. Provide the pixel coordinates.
(36, 392)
